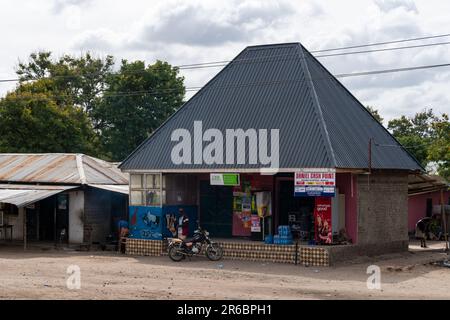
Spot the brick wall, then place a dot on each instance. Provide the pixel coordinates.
(383, 211)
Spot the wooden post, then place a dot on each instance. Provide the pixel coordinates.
(55, 231)
(444, 218)
(24, 211)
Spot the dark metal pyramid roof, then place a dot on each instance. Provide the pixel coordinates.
(322, 125)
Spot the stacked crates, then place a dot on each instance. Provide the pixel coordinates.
(284, 236)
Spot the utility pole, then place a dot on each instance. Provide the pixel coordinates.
(369, 176)
(370, 155)
(444, 220)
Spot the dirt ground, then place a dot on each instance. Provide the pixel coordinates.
(42, 274)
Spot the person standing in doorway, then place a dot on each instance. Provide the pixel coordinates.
(183, 225)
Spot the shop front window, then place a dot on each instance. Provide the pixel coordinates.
(136, 181)
(146, 190)
(136, 198)
(153, 197)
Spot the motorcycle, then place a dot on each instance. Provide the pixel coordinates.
(179, 249)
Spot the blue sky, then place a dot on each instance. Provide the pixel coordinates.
(183, 32)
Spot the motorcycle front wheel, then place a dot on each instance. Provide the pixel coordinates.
(214, 252)
(175, 253)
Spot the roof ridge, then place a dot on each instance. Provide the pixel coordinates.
(99, 171)
(273, 45)
(81, 173)
(315, 98)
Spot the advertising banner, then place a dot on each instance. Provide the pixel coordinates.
(315, 183)
(225, 179)
(171, 216)
(256, 223)
(323, 220)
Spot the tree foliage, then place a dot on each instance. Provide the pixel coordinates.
(32, 122)
(79, 81)
(127, 120)
(427, 137)
(106, 114)
(439, 150)
(375, 113)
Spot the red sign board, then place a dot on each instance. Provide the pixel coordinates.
(323, 220)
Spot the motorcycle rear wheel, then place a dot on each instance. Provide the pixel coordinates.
(214, 252)
(175, 254)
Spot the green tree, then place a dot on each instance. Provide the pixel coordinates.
(414, 133)
(124, 108)
(375, 113)
(32, 122)
(78, 81)
(439, 150)
(426, 136)
(138, 100)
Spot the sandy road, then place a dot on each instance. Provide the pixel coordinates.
(42, 275)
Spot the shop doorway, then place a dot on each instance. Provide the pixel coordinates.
(47, 219)
(216, 209)
(53, 215)
(297, 212)
(62, 218)
(32, 223)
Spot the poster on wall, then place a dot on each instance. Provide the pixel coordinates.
(315, 183)
(256, 224)
(146, 223)
(323, 221)
(242, 205)
(264, 204)
(171, 220)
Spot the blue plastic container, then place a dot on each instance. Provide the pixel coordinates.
(269, 239)
(284, 231)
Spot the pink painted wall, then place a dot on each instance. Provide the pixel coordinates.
(417, 206)
(345, 186)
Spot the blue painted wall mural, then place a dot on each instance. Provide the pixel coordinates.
(170, 217)
(146, 223)
(155, 223)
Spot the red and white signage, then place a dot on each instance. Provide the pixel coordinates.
(315, 177)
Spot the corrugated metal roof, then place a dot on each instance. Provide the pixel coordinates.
(112, 187)
(424, 183)
(21, 196)
(59, 169)
(280, 87)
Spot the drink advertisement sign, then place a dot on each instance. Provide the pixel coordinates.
(323, 221)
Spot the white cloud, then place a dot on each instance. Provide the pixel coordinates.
(60, 5)
(389, 5)
(202, 23)
(192, 31)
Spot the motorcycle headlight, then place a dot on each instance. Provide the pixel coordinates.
(207, 233)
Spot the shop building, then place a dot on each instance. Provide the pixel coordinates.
(66, 199)
(273, 135)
